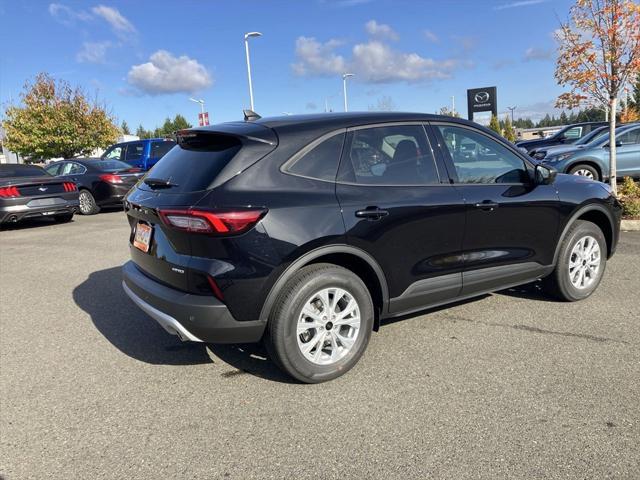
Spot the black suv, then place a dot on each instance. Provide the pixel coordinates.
(307, 231)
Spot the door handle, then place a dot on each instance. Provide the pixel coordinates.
(372, 213)
(487, 205)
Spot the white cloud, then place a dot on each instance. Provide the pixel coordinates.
(519, 3)
(432, 37)
(376, 62)
(316, 58)
(165, 73)
(67, 15)
(534, 53)
(93, 52)
(380, 30)
(115, 19)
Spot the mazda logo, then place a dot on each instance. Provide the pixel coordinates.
(481, 97)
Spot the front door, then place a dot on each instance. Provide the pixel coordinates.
(628, 153)
(398, 206)
(511, 223)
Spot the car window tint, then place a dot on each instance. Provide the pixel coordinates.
(9, 170)
(76, 169)
(53, 169)
(480, 159)
(574, 132)
(321, 161)
(160, 149)
(111, 165)
(629, 137)
(114, 153)
(134, 151)
(393, 155)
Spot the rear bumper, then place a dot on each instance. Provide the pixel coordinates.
(196, 318)
(38, 208)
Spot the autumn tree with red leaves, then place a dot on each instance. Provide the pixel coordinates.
(599, 51)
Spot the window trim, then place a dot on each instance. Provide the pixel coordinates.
(422, 124)
(307, 148)
(451, 168)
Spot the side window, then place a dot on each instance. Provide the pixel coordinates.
(113, 153)
(572, 133)
(76, 169)
(159, 149)
(478, 158)
(321, 161)
(630, 137)
(54, 169)
(393, 155)
(134, 152)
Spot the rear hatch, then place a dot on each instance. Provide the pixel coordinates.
(164, 206)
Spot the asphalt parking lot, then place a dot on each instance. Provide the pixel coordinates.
(511, 385)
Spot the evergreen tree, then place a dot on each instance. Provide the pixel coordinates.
(509, 132)
(494, 125)
(124, 127)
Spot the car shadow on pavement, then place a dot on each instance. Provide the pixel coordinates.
(529, 291)
(137, 335)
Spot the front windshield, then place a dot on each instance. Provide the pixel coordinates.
(595, 135)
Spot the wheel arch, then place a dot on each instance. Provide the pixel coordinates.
(352, 258)
(594, 213)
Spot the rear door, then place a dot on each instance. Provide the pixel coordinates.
(511, 223)
(628, 152)
(398, 206)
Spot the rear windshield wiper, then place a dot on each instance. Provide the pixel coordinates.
(159, 183)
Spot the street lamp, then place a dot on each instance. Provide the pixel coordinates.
(344, 88)
(201, 102)
(247, 36)
(512, 110)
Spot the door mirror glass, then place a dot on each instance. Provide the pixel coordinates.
(545, 175)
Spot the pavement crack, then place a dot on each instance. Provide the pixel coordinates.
(528, 328)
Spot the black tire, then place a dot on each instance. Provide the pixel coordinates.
(88, 204)
(281, 337)
(583, 167)
(558, 284)
(63, 218)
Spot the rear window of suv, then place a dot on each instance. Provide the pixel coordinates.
(194, 164)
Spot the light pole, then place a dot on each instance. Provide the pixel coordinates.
(512, 110)
(201, 102)
(344, 88)
(247, 36)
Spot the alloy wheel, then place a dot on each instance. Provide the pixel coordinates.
(584, 262)
(328, 326)
(583, 172)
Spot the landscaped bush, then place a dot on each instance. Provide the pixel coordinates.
(629, 194)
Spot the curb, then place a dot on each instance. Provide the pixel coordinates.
(630, 225)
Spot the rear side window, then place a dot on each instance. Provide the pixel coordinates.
(390, 155)
(134, 152)
(194, 164)
(160, 149)
(321, 161)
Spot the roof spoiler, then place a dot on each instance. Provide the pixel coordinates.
(250, 115)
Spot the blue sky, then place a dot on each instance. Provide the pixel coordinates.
(145, 59)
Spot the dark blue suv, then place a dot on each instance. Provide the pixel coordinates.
(142, 154)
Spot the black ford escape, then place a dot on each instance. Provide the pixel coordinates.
(306, 231)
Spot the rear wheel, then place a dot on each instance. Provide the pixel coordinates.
(584, 170)
(321, 323)
(63, 218)
(581, 263)
(88, 204)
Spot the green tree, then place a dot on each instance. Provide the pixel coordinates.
(56, 120)
(141, 132)
(509, 132)
(494, 125)
(124, 127)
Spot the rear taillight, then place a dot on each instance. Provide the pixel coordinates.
(9, 192)
(227, 222)
(215, 288)
(111, 178)
(69, 187)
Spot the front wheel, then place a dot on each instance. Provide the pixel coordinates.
(584, 170)
(581, 263)
(321, 323)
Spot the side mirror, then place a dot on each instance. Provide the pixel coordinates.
(544, 174)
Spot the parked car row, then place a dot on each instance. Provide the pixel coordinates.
(83, 185)
(588, 155)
